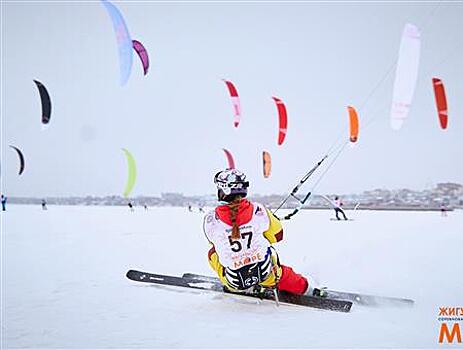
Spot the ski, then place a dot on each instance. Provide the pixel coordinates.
(357, 298)
(214, 285)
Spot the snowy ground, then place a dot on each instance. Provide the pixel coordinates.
(63, 283)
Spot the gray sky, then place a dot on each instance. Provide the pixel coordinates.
(317, 57)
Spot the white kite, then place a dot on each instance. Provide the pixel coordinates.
(406, 75)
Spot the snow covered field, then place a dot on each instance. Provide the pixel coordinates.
(64, 285)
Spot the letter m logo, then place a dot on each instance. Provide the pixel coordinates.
(449, 336)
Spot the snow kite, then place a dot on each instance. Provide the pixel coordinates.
(406, 75)
(283, 120)
(46, 102)
(123, 39)
(131, 173)
(21, 159)
(235, 101)
(143, 54)
(353, 124)
(441, 102)
(267, 163)
(330, 202)
(231, 162)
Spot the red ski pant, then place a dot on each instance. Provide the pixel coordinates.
(292, 282)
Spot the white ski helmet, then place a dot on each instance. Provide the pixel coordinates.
(230, 183)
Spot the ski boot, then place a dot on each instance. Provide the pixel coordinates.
(320, 292)
(256, 290)
(262, 292)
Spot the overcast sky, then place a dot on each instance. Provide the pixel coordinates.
(317, 57)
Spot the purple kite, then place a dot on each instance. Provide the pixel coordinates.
(143, 54)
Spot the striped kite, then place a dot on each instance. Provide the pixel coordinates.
(235, 101)
(441, 102)
(282, 120)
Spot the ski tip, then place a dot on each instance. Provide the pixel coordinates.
(343, 306)
(402, 302)
(132, 274)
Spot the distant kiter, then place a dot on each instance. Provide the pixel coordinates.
(3, 203)
(44, 204)
(337, 208)
(443, 209)
(130, 206)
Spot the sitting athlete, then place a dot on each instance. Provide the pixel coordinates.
(242, 233)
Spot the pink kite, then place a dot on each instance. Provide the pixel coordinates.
(143, 54)
(231, 162)
(235, 101)
(283, 120)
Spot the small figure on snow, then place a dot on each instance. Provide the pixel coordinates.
(131, 206)
(44, 204)
(337, 208)
(4, 199)
(190, 208)
(242, 234)
(443, 209)
(145, 206)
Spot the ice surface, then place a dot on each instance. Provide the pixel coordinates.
(64, 285)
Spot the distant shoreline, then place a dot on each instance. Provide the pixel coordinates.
(347, 208)
(383, 208)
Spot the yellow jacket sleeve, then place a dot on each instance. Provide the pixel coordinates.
(214, 260)
(275, 230)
